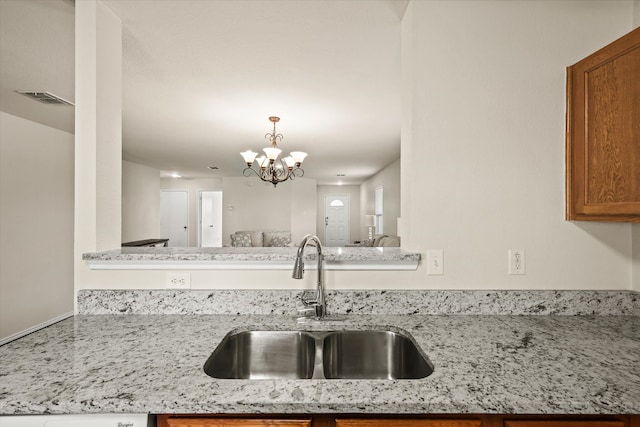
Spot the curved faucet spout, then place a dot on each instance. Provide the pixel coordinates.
(298, 272)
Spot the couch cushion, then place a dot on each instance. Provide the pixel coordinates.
(257, 238)
(269, 235)
(377, 238)
(280, 241)
(390, 241)
(241, 240)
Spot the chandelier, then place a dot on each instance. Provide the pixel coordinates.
(270, 167)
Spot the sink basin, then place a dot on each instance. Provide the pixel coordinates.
(367, 354)
(373, 355)
(263, 355)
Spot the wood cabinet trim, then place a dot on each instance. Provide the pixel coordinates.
(391, 422)
(563, 423)
(397, 420)
(213, 421)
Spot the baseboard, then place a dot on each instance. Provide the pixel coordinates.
(32, 329)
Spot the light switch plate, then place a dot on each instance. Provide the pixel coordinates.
(435, 262)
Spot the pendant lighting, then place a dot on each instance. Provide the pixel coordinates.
(272, 167)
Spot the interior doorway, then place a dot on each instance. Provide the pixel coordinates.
(210, 223)
(336, 220)
(174, 217)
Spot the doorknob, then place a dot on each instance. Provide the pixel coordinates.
(211, 226)
(185, 227)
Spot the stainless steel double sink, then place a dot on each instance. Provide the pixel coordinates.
(342, 354)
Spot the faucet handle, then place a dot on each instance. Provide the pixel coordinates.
(308, 302)
(308, 308)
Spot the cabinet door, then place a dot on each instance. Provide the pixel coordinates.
(566, 423)
(603, 134)
(407, 423)
(231, 422)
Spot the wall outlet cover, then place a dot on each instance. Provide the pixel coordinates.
(516, 261)
(181, 280)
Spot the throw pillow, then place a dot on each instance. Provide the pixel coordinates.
(241, 240)
(269, 235)
(280, 241)
(257, 239)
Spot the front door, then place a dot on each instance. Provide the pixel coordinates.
(174, 217)
(336, 220)
(211, 219)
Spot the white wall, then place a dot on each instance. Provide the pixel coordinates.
(98, 134)
(355, 219)
(487, 142)
(303, 208)
(250, 204)
(36, 224)
(389, 179)
(140, 202)
(482, 154)
(636, 13)
(635, 266)
(193, 186)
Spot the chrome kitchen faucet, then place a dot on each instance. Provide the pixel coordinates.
(318, 304)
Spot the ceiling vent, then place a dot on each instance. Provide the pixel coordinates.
(45, 97)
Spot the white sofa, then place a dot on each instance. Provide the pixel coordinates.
(379, 240)
(260, 238)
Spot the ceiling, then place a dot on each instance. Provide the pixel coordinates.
(201, 78)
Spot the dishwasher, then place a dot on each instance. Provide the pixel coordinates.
(83, 420)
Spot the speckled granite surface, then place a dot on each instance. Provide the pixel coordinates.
(483, 364)
(380, 302)
(249, 254)
(349, 257)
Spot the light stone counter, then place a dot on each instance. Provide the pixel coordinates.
(130, 351)
(483, 364)
(370, 302)
(349, 258)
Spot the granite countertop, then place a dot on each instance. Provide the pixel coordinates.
(483, 364)
(351, 258)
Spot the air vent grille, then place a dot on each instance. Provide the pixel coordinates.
(45, 97)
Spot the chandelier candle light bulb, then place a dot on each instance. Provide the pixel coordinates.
(272, 168)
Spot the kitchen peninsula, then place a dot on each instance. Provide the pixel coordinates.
(271, 258)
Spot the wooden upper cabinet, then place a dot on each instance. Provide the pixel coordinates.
(603, 134)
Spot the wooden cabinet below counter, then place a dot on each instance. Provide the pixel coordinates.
(462, 420)
(565, 423)
(407, 423)
(204, 421)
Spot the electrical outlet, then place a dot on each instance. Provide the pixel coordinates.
(435, 262)
(516, 261)
(180, 280)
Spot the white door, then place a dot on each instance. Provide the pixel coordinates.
(211, 219)
(379, 202)
(336, 220)
(174, 217)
